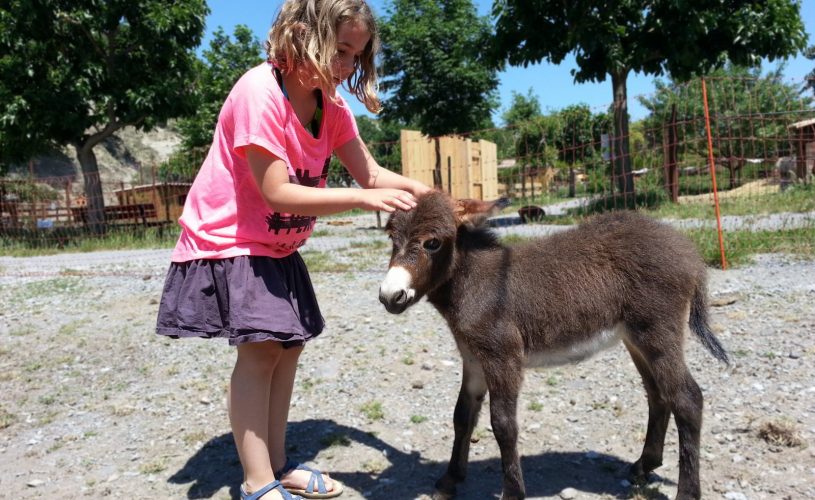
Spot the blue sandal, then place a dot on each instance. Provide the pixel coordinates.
(315, 479)
(274, 485)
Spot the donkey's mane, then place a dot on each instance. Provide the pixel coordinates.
(479, 237)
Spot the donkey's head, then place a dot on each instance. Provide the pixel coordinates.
(424, 246)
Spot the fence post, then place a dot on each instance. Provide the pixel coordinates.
(713, 174)
(669, 146)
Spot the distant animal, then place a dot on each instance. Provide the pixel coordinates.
(531, 213)
(555, 300)
(785, 166)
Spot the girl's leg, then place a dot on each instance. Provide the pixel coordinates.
(249, 409)
(279, 401)
(280, 392)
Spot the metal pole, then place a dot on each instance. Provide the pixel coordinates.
(713, 175)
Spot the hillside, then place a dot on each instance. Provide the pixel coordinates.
(129, 157)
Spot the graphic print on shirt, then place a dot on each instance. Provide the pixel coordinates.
(299, 223)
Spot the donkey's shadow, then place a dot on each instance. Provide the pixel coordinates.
(216, 465)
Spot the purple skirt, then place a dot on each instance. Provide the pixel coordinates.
(243, 299)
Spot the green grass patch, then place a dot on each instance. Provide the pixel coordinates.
(418, 419)
(741, 246)
(373, 410)
(48, 242)
(318, 262)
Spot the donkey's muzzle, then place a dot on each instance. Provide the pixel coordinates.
(395, 292)
(394, 303)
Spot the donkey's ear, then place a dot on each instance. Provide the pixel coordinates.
(474, 213)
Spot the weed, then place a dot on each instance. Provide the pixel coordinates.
(6, 418)
(153, 467)
(781, 433)
(418, 419)
(194, 437)
(535, 406)
(373, 410)
(335, 439)
(375, 466)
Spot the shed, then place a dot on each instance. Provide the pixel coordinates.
(167, 198)
(466, 168)
(803, 139)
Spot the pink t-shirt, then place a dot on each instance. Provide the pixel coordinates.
(225, 214)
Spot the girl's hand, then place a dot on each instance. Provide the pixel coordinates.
(386, 199)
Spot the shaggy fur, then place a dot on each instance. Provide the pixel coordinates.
(555, 300)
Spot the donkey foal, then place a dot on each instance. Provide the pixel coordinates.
(556, 300)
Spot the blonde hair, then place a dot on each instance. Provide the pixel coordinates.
(303, 38)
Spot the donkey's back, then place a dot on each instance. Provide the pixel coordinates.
(577, 291)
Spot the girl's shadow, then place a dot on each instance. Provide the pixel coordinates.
(216, 465)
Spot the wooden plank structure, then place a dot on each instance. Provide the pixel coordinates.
(804, 140)
(457, 165)
(163, 202)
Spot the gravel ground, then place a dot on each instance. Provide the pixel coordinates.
(92, 403)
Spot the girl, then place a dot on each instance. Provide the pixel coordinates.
(235, 270)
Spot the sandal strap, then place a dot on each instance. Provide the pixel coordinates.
(274, 485)
(316, 475)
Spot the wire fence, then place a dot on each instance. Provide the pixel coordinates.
(730, 158)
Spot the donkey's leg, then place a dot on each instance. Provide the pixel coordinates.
(504, 382)
(470, 396)
(659, 414)
(663, 351)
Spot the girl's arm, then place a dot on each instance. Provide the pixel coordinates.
(272, 178)
(367, 172)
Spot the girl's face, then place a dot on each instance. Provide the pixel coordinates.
(352, 38)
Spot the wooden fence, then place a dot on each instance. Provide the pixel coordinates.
(463, 168)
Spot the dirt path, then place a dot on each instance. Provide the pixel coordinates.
(93, 404)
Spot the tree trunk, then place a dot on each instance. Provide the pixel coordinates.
(95, 209)
(572, 188)
(620, 151)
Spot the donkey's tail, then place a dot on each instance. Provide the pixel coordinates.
(699, 325)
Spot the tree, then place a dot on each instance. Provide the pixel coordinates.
(523, 108)
(73, 72)
(434, 72)
(749, 111)
(810, 78)
(223, 64)
(679, 37)
(750, 114)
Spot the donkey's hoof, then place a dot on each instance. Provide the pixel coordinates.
(445, 488)
(636, 474)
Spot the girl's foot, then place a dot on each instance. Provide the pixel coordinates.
(296, 480)
(273, 494)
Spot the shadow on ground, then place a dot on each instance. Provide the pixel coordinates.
(216, 465)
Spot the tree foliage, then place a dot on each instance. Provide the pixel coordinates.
(749, 111)
(223, 64)
(522, 108)
(76, 71)
(681, 37)
(434, 72)
(810, 78)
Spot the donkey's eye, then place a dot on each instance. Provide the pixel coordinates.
(432, 244)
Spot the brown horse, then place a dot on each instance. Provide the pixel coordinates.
(551, 301)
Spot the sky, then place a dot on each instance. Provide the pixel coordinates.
(552, 84)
